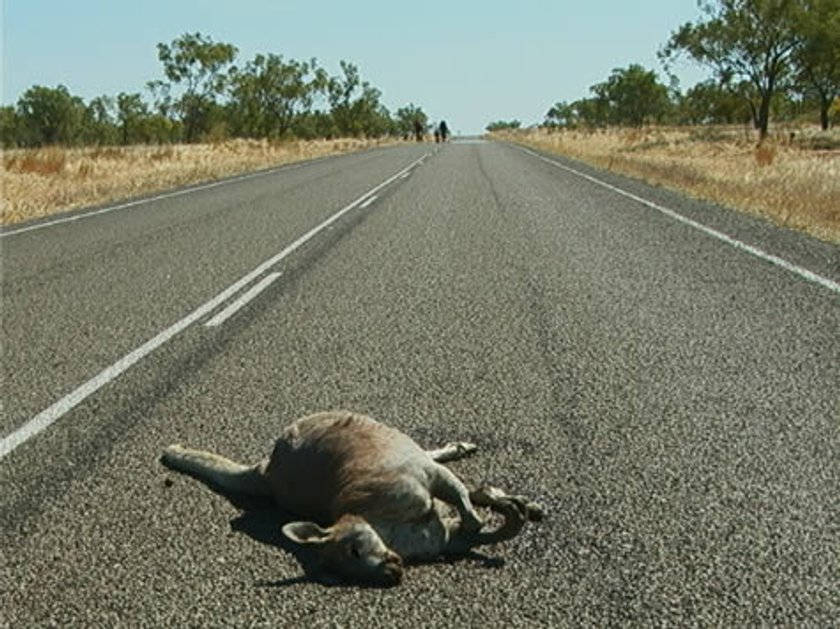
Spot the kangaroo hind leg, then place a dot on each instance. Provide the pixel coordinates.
(447, 487)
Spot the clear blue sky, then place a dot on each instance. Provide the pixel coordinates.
(469, 62)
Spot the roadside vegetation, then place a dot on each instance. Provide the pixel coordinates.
(786, 179)
(207, 96)
(209, 116)
(39, 182)
(757, 135)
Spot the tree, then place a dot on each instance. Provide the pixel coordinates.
(132, 114)
(592, 112)
(503, 125)
(408, 118)
(561, 114)
(630, 96)
(710, 103)
(270, 97)
(315, 124)
(50, 115)
(268, 94)
(633, 96)
(340, 92)
(98, 125)
(356, 115)
(750, 40)
(197, 65)
(817, 59)
(11, 127)
(370, 117)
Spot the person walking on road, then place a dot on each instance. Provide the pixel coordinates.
(443, 131)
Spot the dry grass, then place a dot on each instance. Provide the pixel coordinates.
(793, 178)
(39, 182)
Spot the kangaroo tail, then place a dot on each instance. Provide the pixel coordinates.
(515, 510)
(217, 470)
(515, 515)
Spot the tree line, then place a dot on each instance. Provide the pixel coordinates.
(206, 96)
(768, 58)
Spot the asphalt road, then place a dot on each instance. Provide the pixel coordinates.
(670, 398)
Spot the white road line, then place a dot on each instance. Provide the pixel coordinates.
(369, 201)
(49, 416)
(737, 244)
(242, 300)
(165, 195)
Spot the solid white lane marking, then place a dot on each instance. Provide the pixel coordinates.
(737, 244)
(159, 197)
(49, 416)
(242, 300)
(368, 202)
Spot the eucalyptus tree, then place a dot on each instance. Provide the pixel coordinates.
(708, 102)
(633, 96)
(408, 118)
(98, 124)
(742, 40)
(132, 114)
(270, 93)
(50, 116)
(561, 114)
(817, 58)
(355, 105)
(197, 66)
(11, 127)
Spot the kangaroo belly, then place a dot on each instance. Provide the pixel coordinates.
(303, 483)
(329, 464)
(421, 539)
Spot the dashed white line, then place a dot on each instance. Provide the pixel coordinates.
(242, 300)
(49, 416)
(368, 202)
(737, 244)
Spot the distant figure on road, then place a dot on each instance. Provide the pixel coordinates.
(418, 130)
(443, 130)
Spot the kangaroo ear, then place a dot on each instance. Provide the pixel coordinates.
(306, 533)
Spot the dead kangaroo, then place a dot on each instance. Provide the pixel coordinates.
(374, 497)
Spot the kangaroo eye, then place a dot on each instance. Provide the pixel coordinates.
(354, 550)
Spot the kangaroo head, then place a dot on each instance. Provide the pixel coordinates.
(350, 549)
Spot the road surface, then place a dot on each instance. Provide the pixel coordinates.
(661, 374)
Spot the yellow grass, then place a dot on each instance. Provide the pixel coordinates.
(793, 180)
(39, 182)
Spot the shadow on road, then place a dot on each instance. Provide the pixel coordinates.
(262, 521)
